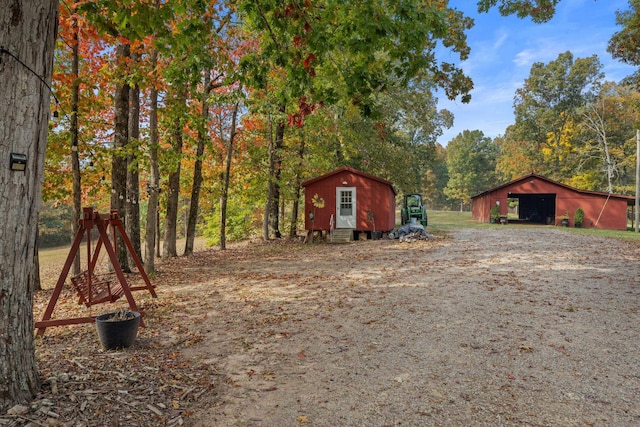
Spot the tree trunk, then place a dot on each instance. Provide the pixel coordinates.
(197, 172)
(27, 31)
(133, 184)
(75, 158)
(227, 175)
(296, 199)
(132, 205)
(154, 182)
(275, 167)
(119, 158)
(265, 217)
(171, 221)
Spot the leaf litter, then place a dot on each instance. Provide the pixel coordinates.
(472, 329)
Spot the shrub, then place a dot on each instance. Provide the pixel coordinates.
(578, 218)
(240, 225)
(494, 213)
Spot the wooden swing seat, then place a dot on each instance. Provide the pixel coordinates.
(104, 288)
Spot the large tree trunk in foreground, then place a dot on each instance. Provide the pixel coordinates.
(27, 35)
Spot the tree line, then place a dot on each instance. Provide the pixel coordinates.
(263, 88)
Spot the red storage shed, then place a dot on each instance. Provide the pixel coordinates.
(350, 199)
(542, 200)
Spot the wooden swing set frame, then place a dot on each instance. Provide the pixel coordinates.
(91, 288)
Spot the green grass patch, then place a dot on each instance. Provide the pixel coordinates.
(628, 235)
(54, 255)
(442, 222)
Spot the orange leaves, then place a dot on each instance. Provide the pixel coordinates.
(307, 64)
(304, 109)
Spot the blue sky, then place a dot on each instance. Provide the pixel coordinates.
(504, 48)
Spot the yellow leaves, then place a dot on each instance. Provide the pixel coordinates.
(560, 144)
(302, 419)
(317, 201)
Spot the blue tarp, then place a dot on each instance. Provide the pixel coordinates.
(417, 229)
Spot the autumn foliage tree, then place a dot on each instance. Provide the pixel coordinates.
(330, 51)
(546, 109)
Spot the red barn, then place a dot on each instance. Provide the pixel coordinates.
(541, 200)
(349, 199)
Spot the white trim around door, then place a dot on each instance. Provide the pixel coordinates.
(346, 207)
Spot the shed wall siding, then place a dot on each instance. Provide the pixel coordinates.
(370, 195)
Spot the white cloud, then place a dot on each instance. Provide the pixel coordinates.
(501, 36)
(524, 58)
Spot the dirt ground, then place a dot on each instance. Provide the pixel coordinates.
(505, 325)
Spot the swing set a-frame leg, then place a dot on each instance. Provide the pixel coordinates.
(46, 319)
(117, 223)
(118, 270)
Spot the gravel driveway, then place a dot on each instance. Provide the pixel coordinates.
(492, 326)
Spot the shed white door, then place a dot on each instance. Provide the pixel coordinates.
(346, 207)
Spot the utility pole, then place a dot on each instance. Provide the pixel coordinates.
(636, 210)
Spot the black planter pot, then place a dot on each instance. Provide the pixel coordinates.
(114, 333)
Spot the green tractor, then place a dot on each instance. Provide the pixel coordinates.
(413, 208)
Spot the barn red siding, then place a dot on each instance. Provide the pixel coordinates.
(372, 193)
(601, 210)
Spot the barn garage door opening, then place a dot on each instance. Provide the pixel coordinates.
(535, 208)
